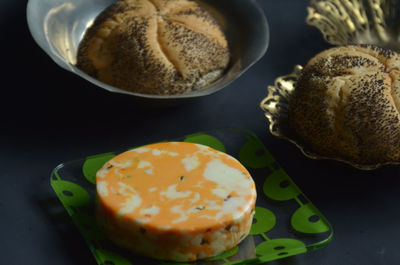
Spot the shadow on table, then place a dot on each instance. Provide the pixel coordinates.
(73, 243)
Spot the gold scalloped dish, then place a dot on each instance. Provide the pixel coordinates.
(275, 106)
(343, 22)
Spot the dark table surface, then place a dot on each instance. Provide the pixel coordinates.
(49, 116)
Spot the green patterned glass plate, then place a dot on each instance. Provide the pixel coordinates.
(286, 223)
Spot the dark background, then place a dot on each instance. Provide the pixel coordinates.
(48, 116)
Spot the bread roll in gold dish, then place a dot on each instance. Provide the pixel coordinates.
(175, 201)
(157, 47)
(344, 105)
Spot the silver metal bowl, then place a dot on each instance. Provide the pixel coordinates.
(58, 26)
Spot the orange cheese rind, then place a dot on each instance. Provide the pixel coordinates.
(175, 201)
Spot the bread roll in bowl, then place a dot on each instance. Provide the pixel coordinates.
(160, 47)
(346, 105)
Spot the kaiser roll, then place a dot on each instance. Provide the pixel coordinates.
(346, 105)
(154, 47)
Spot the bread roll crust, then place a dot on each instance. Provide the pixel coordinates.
(154, 47)
(346, 105)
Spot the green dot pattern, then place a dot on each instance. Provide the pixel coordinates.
(278, 186)
(93, 164)
(204, 139)
(307, 219)
(254, 155)
(71, 194)
(279, 248)
(265, 220)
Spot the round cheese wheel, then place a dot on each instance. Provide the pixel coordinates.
(175, 201)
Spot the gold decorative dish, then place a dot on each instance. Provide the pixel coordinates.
(276, 103)
(275, 106)
(344, 22)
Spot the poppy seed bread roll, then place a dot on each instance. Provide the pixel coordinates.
(154, 47)
(346, 105)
